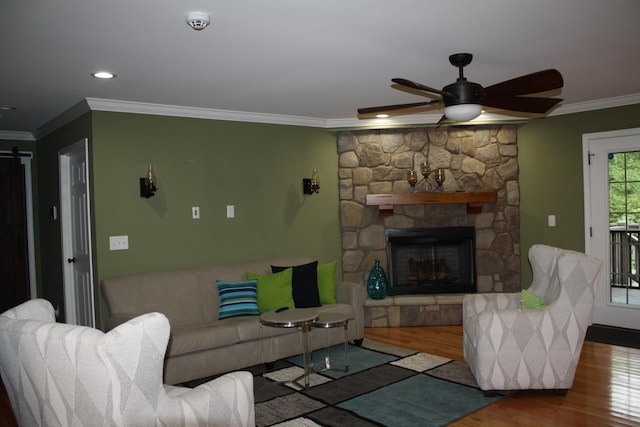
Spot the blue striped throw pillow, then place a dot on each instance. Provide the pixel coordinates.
(238, 298)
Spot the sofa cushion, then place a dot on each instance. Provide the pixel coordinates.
(191, 339)
(176, 294)
(274, 290)
(327, 282)
(304, 283)
(238, 298)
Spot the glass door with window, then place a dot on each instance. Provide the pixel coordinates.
(612, 219)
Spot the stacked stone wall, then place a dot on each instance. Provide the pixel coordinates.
(475, 158)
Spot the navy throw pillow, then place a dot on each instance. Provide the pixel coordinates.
(305, 284)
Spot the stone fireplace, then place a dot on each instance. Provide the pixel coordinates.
(475, 159)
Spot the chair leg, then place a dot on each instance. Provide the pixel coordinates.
(560, 391)
(489, 393)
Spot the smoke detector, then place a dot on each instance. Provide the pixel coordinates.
(198, 20)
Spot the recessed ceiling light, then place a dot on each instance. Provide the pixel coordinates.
(103, 75)
(382, 116)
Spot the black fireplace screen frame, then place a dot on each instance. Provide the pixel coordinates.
(437, 249)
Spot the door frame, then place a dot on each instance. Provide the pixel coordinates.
(25, 160)
(66, 229)
(587, 140)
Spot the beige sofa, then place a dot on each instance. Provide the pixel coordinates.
(201, 345)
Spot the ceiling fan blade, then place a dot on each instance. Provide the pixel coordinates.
(540, 81)
(385, 108)
(525, 104)
(414, 85)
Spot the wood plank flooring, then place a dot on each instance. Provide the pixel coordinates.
(606, 390)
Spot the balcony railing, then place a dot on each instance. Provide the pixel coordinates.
(625, 260)
(625, 257)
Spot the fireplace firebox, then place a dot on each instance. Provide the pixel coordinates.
(431, 260)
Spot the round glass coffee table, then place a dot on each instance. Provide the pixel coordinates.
(334, 320)
(302, 318)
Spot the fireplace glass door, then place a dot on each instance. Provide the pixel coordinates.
(431, 260)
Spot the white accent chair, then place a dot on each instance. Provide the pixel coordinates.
(511, 348)
(65, 375)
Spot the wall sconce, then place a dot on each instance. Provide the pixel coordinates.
(148, 184)
(311, 185)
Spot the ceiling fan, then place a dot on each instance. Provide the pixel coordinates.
(463, 100)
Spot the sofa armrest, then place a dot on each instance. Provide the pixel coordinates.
(355, 295)
(350, 293)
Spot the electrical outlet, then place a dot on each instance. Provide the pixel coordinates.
(195, 212)
(118, 243)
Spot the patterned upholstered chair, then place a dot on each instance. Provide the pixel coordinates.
(65, 375)
(511, 348)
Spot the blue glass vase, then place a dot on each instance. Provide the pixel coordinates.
(377, 284)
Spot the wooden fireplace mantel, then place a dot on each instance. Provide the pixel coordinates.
(473, 199)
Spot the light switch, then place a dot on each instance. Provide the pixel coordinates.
(118, 243)
(552, 220)
(231, 211)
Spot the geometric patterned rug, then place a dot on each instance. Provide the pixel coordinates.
(385, 386)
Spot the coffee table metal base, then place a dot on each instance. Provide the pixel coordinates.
(302, 318)
(334, 320)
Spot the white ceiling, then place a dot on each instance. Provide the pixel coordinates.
(301, 62)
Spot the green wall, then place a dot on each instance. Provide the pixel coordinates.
(258, 168)
(551, 176)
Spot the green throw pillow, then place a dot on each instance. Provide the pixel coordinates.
(274, 290)
(531, 301)
(327, 282)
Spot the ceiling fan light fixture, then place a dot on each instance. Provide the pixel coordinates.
(463, 112)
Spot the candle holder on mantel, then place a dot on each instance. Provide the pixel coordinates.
(412, 178)
(439, 176)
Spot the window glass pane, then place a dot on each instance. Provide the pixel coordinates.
(616, 167)
(617, 202)
(633, 166)
(624, 216)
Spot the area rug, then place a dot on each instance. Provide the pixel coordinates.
(384, 386)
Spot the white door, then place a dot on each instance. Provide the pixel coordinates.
(76, 235)
(612, 219)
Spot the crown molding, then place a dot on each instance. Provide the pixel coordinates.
(60, 120)
(16, 136)
(598, 104)
(200, 113)
(99, 104)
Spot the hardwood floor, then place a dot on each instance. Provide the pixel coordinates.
(606, 390)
